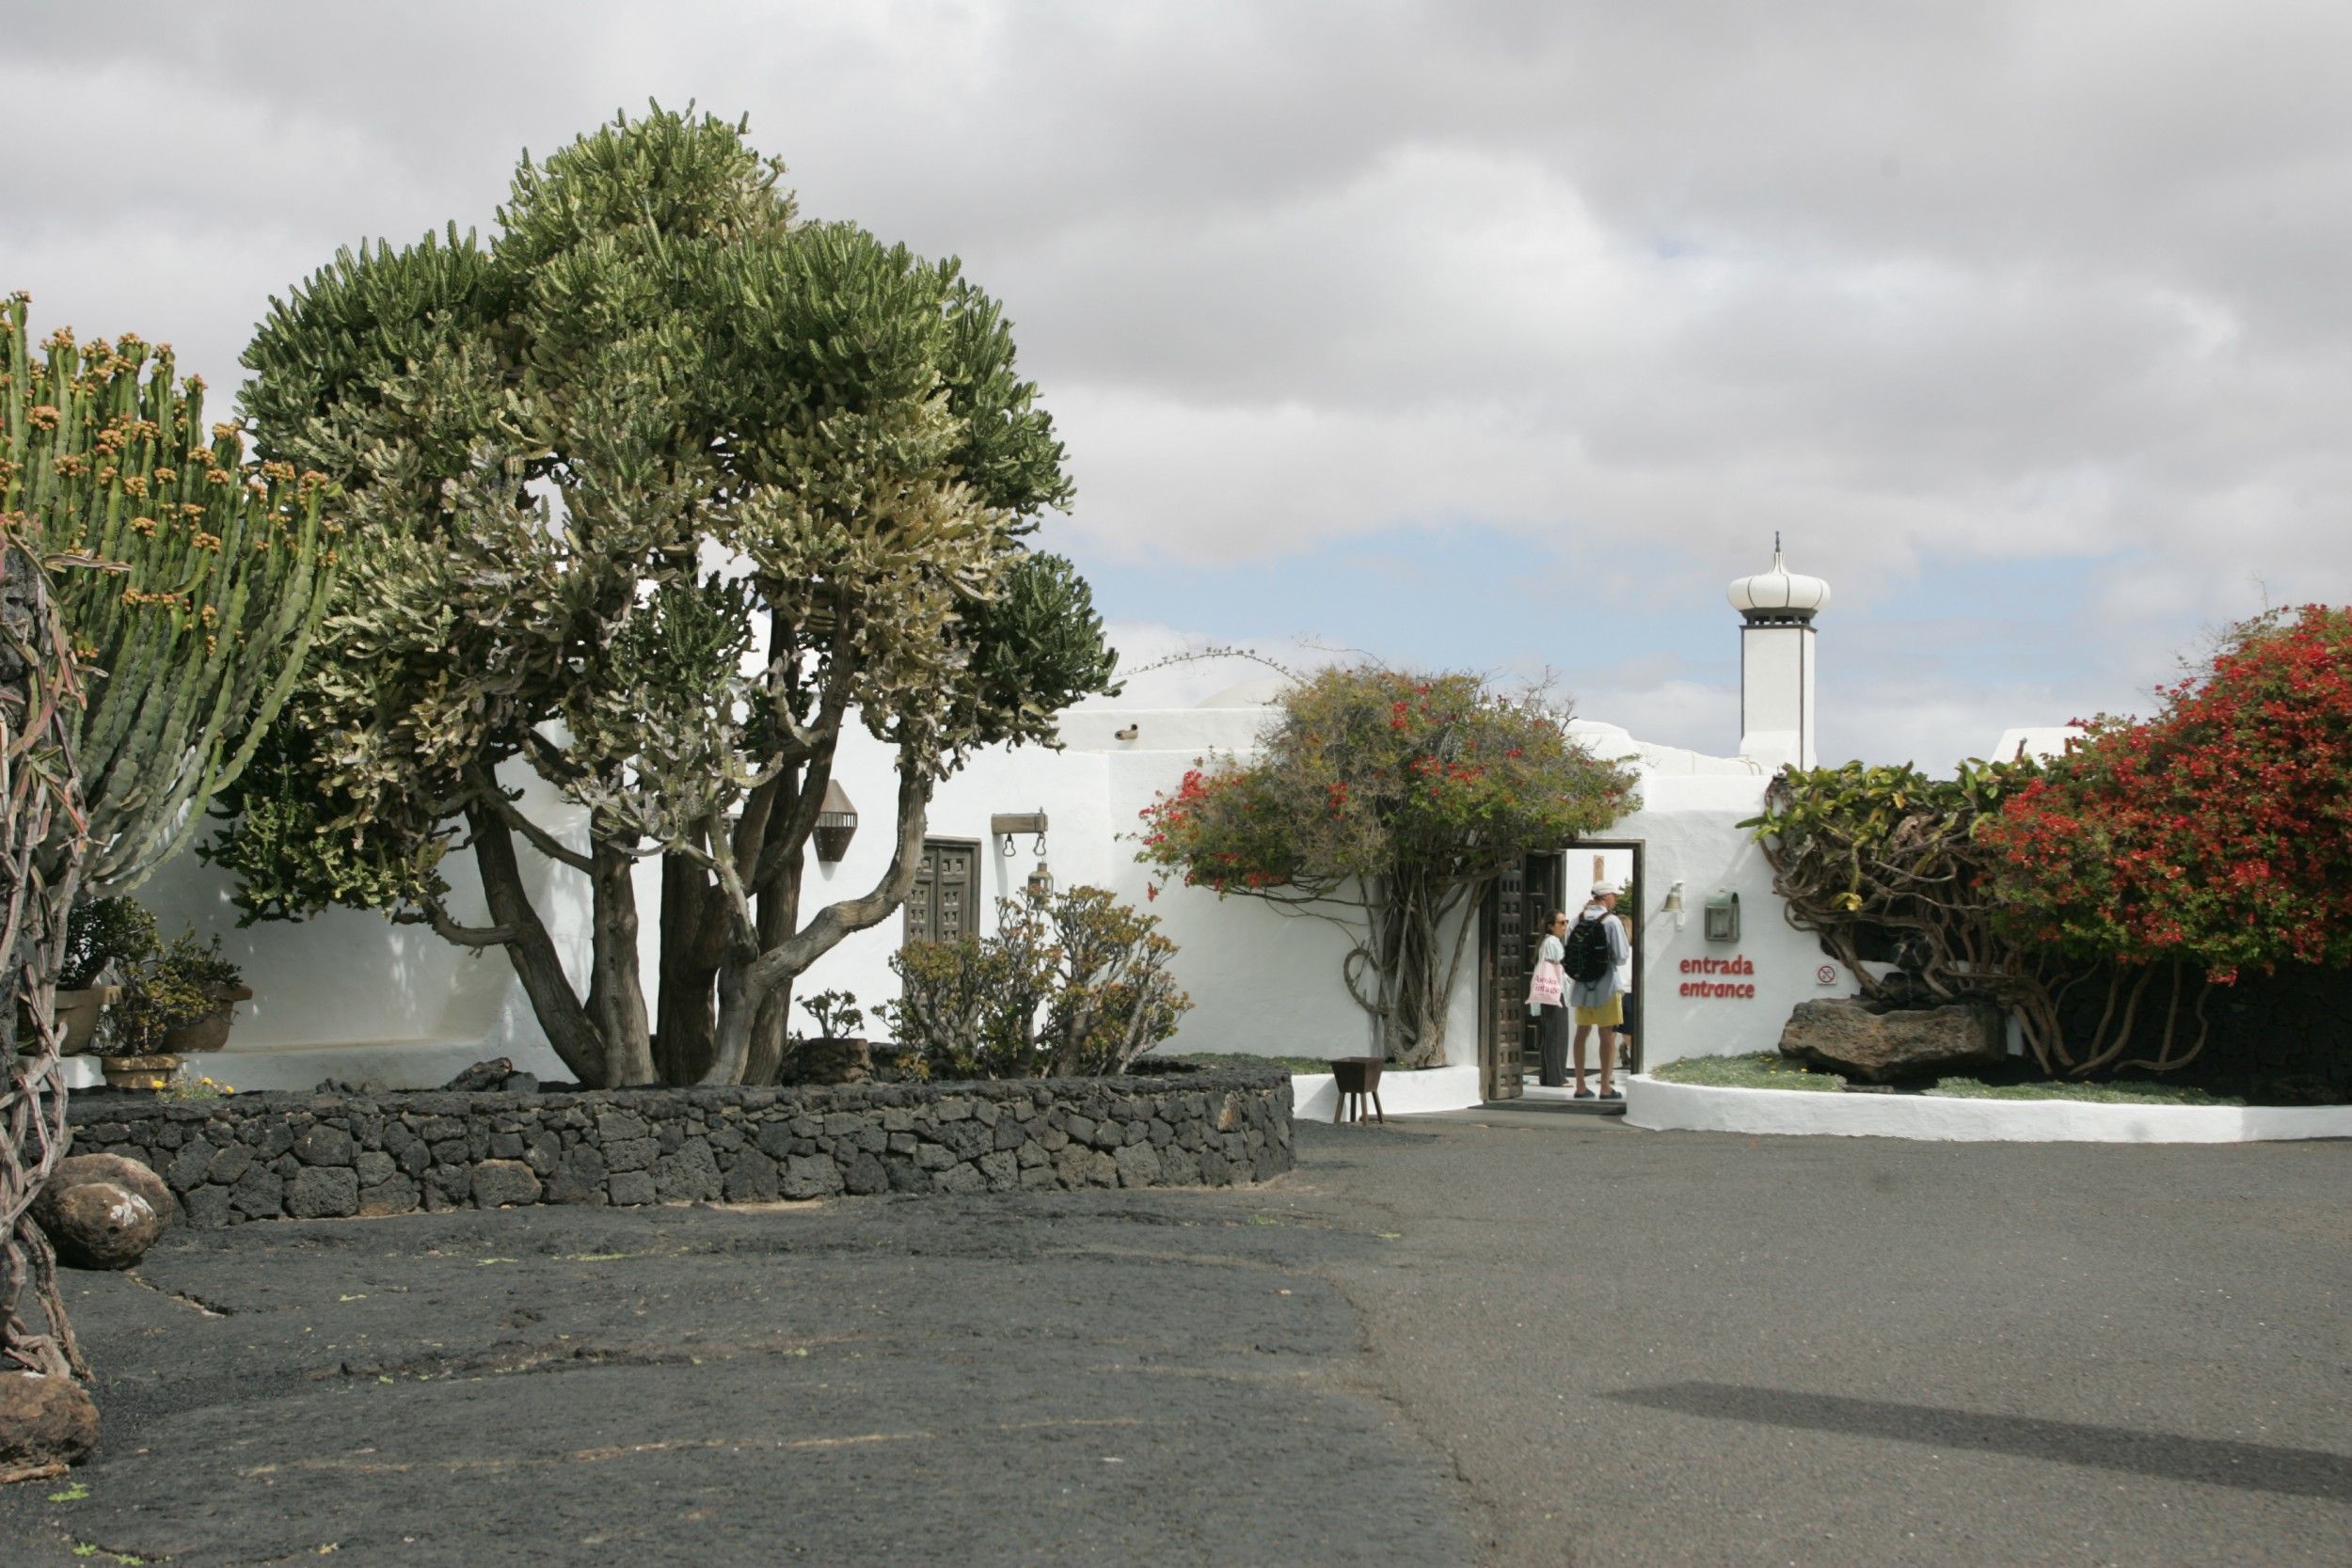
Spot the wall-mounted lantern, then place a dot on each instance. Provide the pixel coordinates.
(836, 823)
(1723, 917)
(1005, 825)
(1673, 905)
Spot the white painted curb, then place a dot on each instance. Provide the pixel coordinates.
(1699, 1108)
(1402, 1094)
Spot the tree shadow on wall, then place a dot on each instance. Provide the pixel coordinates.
(2218, 1461)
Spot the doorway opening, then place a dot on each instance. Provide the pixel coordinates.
(1513, 919)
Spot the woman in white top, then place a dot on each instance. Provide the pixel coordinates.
(1552, 1018)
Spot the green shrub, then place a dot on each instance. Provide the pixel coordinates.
(184, 983)
(107, 933)
(1078, 986)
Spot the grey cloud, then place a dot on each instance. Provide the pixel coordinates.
(2002, 281)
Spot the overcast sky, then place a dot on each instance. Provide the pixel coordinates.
(1473, 335)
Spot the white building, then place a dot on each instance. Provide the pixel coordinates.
(1717, 966)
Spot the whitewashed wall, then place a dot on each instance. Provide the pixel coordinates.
(1689, 825)
(350, 995)
(1261, 981)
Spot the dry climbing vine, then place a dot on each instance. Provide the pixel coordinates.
(41, 844)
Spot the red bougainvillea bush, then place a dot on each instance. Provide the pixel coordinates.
(2100, 896)
(2217, 833)
(1385, 801)
(2213, 838)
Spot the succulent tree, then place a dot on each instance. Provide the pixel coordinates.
(659, 490)
(194, 640)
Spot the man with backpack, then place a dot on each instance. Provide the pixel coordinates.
(1596, 948)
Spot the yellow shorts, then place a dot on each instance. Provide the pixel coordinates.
(1608, 1014)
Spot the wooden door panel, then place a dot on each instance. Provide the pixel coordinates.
(1506, 996)
(946, 885)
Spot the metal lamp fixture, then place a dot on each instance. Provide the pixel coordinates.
(1041, 884)
(1673, 905)
(836, 823)
(1723, 917)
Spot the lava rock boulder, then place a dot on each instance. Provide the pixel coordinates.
(1845, 1036)
(97, 1225)
(128, 1174)
(46, 1424)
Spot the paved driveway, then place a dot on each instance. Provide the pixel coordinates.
(1668, 1348)
(1554, 1342)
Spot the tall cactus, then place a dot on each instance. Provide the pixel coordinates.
(195, 643)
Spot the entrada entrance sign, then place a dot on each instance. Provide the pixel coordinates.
(1739, 991)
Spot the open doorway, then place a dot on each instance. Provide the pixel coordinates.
(1516, 912)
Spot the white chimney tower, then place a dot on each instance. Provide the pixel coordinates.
(1776, 711)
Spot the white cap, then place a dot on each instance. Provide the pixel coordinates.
(1779, 595)
(1604, 890)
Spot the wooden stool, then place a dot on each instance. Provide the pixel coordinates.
(1357, 1077)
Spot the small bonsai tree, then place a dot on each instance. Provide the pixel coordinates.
(1076, 987)
(107, 936)
(835, 1013)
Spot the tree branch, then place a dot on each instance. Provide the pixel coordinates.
(448, 929)
(536, 836)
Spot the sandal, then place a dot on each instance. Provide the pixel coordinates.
(1612, 1094)
(1581, 1094)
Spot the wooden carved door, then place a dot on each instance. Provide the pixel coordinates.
(1512, 926)
(1503, 971)
(946, 883)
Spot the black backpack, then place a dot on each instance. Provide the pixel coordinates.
(1586, 958)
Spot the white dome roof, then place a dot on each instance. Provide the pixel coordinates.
(1779, 595)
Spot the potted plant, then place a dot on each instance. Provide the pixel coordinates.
(222, 983)
(836, 1053)
(178, 1002)
(106, 938)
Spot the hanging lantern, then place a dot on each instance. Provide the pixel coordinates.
(1041, 884)
(836, 821)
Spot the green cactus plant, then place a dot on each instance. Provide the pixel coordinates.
(219, 573)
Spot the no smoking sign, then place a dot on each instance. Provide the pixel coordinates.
(1825, 975)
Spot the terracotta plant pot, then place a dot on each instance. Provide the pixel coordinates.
(210, 1032)
(140, 1072)
(77, 1016)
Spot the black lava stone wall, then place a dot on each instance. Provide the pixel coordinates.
(2281, 1036)
(262, 1156)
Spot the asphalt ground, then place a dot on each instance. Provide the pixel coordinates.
(1506, 1339)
